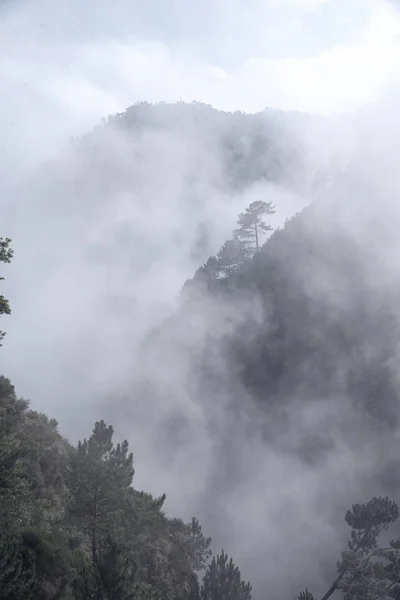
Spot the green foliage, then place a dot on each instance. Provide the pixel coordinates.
(15, 489)
(231, 256)
(366, 571)
(369, 520)
(252, 225)
(77, 529)
(306, 595)
(101, 477)
(324, 327)
(6, 254)
(52, 563)
(111, 577)
(252, 147)
(222, 581)
(47, 462)
(17, 571)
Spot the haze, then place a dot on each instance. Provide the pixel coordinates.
(84, 297)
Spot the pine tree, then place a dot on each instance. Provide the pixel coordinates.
(367, 572)
(206, 274)
(251, 225)
(306, 595)
(17, 572)
(111, 578)
(188, 552)
(6, 254)
(223, 581)
(101, 480)
(231, 256)
(203, 279)
(15, 492)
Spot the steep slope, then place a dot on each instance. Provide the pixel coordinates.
(283, 375)
(105, 236)
(129, 209)
(314, 299)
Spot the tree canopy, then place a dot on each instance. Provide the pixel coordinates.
(74, 527)
(252, 224)
(6, 254)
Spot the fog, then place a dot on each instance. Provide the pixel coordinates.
(105, 236)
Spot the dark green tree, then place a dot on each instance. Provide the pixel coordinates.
(365, 571)
(196, 545)
(231, 256)
(17, 571)
(47, 462)
(222, 581)
(187, 551)
(6, 254)
(206, 274)
(306, 595)
(202, 280)
(111, 578)
(252, 225)
(101, 479)
(15, 488)
(52, 562)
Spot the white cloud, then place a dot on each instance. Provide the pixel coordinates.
(299, 4)
(79, 74)
(90, 314)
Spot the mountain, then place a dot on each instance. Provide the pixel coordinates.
(265, 401)
(134, 206)
(287, 367)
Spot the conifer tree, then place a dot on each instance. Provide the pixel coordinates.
(202, 280)
(206, 274)
(111, 578)
(231, 256)
(17, 572)
(100, 483)
(222, 581)
(306, 595)
(367, 572)
(15, 492)
(6, 254)
(251, 225)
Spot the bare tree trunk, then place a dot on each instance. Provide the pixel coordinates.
(342, 573)
(334, 585)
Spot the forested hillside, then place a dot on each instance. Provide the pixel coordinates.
(289, 356)
(134, 206)
(73, 525)
(251, 147)
(267, 399)
(312, 312)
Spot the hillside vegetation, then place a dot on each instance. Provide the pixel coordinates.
(278, 324)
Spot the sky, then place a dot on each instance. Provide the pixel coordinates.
(76, 318)
(66, 64)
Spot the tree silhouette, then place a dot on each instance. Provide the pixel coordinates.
(367, 572)
(6, 254)
(251, 225)
(223, 581)
(231, 256)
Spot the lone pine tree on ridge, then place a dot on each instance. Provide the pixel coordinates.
(251, 225)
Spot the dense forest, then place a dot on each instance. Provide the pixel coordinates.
(288, 335)
(74, 527)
